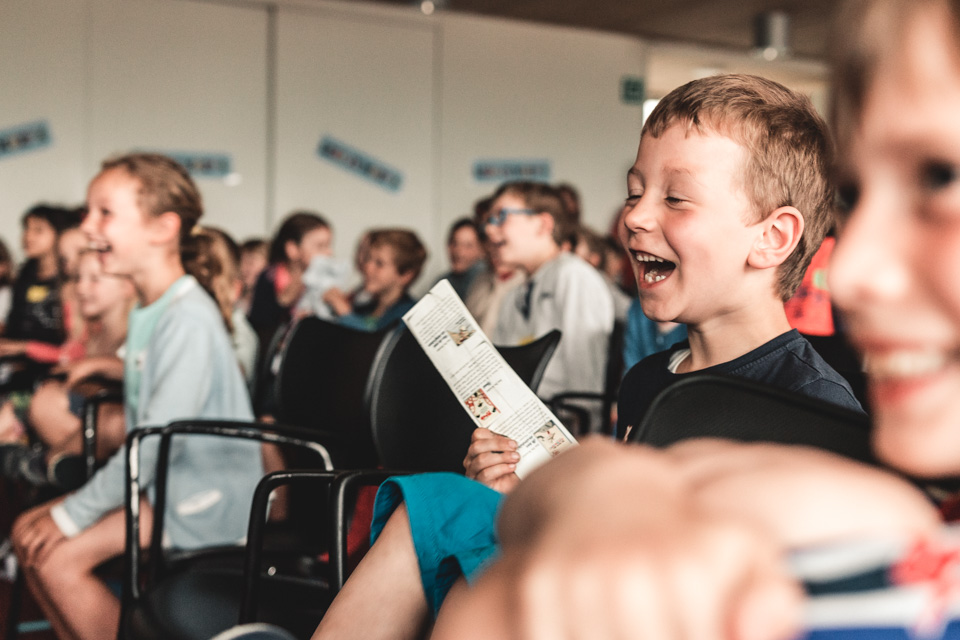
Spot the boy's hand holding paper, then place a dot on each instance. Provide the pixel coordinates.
(488, 389)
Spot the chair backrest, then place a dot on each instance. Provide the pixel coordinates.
(701, 406)
(321, 383)
(418, 424)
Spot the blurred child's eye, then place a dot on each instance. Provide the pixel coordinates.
(632, 198)
(673, 200)
(845, 198)
(936, 175)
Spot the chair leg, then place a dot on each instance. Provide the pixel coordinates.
(16, 601)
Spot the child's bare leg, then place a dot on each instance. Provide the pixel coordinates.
(66, 587)
(384, 597)
(50, 417)
(480, 611)
(111, 429)
(61, 431)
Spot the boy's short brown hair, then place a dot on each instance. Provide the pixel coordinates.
(408, 252)
(543, 198)
(788, 147)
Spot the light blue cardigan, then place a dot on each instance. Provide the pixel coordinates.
(187, 369)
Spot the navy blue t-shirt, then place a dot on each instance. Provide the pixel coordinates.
(788, 361)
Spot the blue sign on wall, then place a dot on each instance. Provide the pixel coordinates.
(359, 163)
(25, 137)
(204, 165)
(504, 170)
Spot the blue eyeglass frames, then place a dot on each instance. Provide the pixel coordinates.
(498, 217)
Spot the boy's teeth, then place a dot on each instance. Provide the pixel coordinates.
(652, 276)
(903, 364)
(648, 258)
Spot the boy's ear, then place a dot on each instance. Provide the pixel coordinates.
(547, 224)
(406, 278)
(780, 232)
(165, 228)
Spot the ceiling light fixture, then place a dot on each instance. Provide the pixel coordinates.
(772, 35)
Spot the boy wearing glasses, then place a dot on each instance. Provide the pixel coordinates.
(525, 225)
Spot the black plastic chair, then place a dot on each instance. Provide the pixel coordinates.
(418, 424)
(567, 402)
(321, 385)
(196, 594)
(709, 406)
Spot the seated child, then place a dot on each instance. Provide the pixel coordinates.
(582, 552)
(253, 260)
(696, 179)
(216, 265)
(301, 236)
(53, 411)
(526, 224)
(178, 363)
(465, 250)
(36, 313)
(392, 264)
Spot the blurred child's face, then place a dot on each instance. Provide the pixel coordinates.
(39, 238)
(464, 249)
(98, 293)
(380, 273)
(685, 219)
(252, 264)
(316, 242)
(71, 243)
(896, 267)
(511, 239)
(115, 224)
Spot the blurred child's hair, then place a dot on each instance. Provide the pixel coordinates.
(861, 51)
(294, 227)
(165, 186)
(254, 245)
(480, 209)
(461, 223)
(788, 147)
(409, 254)
(60, 218)
(6, 260)
(543, 198)
(210, 258)
(595, 245)
(571, 200)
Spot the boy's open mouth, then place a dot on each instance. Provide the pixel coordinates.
(101, 246)
(653, 268)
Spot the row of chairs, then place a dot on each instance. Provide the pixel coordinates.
(361, 401)
(356, 401)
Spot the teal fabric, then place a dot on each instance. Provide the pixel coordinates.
(453, 524)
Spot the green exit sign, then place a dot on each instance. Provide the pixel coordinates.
(631, 90)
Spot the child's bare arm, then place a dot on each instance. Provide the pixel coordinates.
(106, 366)
(337, 300)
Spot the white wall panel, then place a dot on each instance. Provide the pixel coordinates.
(41, 79)
(369, 84)
(185, 77)
(519, 90)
